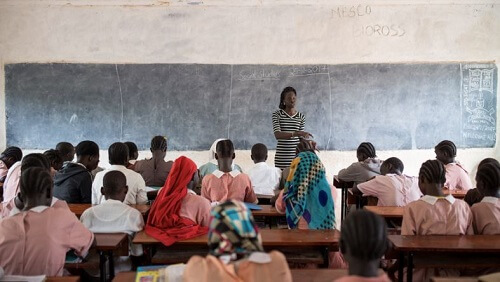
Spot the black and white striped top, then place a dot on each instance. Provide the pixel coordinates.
(285, 150)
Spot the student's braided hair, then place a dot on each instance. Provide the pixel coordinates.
(283, 94)
(12, 152)
(35, 181)
(487, 160)
(489, 174)
(159, 143)
(367, 149)
(35, 160)
(225, 148)
(53, 156)
(364, 234)
(448, 147)
(433, 171)
(118, 153)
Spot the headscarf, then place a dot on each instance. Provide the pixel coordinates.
(233, 230)
(307, 193)
(164, 222)
(213, 151)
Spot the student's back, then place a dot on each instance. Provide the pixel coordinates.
(457, 177)
(155, 170)
(487, 212)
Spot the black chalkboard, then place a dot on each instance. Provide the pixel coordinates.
(394, 106)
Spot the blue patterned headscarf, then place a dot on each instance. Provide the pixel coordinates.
(307, 193)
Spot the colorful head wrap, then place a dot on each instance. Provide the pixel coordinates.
(233, 230)
(307, 193)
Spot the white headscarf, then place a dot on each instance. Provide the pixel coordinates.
(213, 151)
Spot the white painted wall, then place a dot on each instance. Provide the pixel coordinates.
(257, 32)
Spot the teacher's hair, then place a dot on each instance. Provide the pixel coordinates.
(283, 93)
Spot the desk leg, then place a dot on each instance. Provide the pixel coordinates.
(326, 258)
(401, 266)
(409, 274)
(102, 266)
(343, 204)
(111, 265)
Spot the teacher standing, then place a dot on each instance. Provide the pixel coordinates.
(288, 126)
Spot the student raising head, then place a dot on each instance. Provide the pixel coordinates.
(457, 177)
(487, 212)
(212, 164)
(265, 178)
(226, 183)
(368, 165)
(8, 158)
(178, 213)
(363, 241)
(155, 170)
(118, 158)
(392, 188)
(35, 240)
(236, 252)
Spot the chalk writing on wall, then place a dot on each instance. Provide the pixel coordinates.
(351, 11)
(381, 30)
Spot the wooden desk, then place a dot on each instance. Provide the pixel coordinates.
(459, 194)
(280, 239)
(106, 244)
(387, 212)
(267, 210)
(78, 209)
(412, 246)
(302, 275)
(62, 279)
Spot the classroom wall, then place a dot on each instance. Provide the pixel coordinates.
(256, 32)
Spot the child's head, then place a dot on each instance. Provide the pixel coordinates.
(225, 150)
(159, 146)
(133, 152)
(87, 153)
(488, 179)
(432, 174)
(363, 239)
(446, 151)
(114, 186)
(35, 160)
(55, 159)
(287, 98)
(66, 150)
(487, 160)
(259, 153)
(11, 155)
(392, 165)
(36, 187)
(365, 150)
(305, 146)
(118, 154)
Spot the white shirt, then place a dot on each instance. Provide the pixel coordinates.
(265, 178)
(136, 186)
(114, 216)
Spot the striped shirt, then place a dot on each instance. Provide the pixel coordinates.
(285, 150)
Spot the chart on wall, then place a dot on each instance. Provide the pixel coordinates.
(394, 106)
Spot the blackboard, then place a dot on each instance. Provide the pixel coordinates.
(394, 106)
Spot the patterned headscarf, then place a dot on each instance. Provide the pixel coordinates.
(233, 230)
(307, 193)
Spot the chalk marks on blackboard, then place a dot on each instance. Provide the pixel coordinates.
(478, 103)
(262, 74)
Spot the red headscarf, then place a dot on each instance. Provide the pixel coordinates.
(164, 222)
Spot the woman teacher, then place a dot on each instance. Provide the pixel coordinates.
(288, 126)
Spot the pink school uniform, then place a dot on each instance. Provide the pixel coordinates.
(457, 178)
(195, 208)
(392, 189)
(3, 169)
(35, 242)
(219, 187)
(11, 184)
(486, 216)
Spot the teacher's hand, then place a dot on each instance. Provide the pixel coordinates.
(303, 134)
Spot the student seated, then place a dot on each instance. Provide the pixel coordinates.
(113, 216)
(486, 213)
(304, 145)
(363, 241)
(457, 178)
(35, 241)
(8, 158)
(67, 152)
(392, 188)
(55, 160)
(473, 195)
(212, 164)
(226, 183)
(133, 154)
(367, 167)
(118, 158)
(236, 252)
(73, 183)
(265, 178)
(155, 170)
(178, 213)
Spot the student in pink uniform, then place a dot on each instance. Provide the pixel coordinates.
(392, 188)
(457, 177)
(487, 212)
(8, 157)
(227, 183)
(35, 241)
(236, 252)
(363, 241)
(473, 196)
